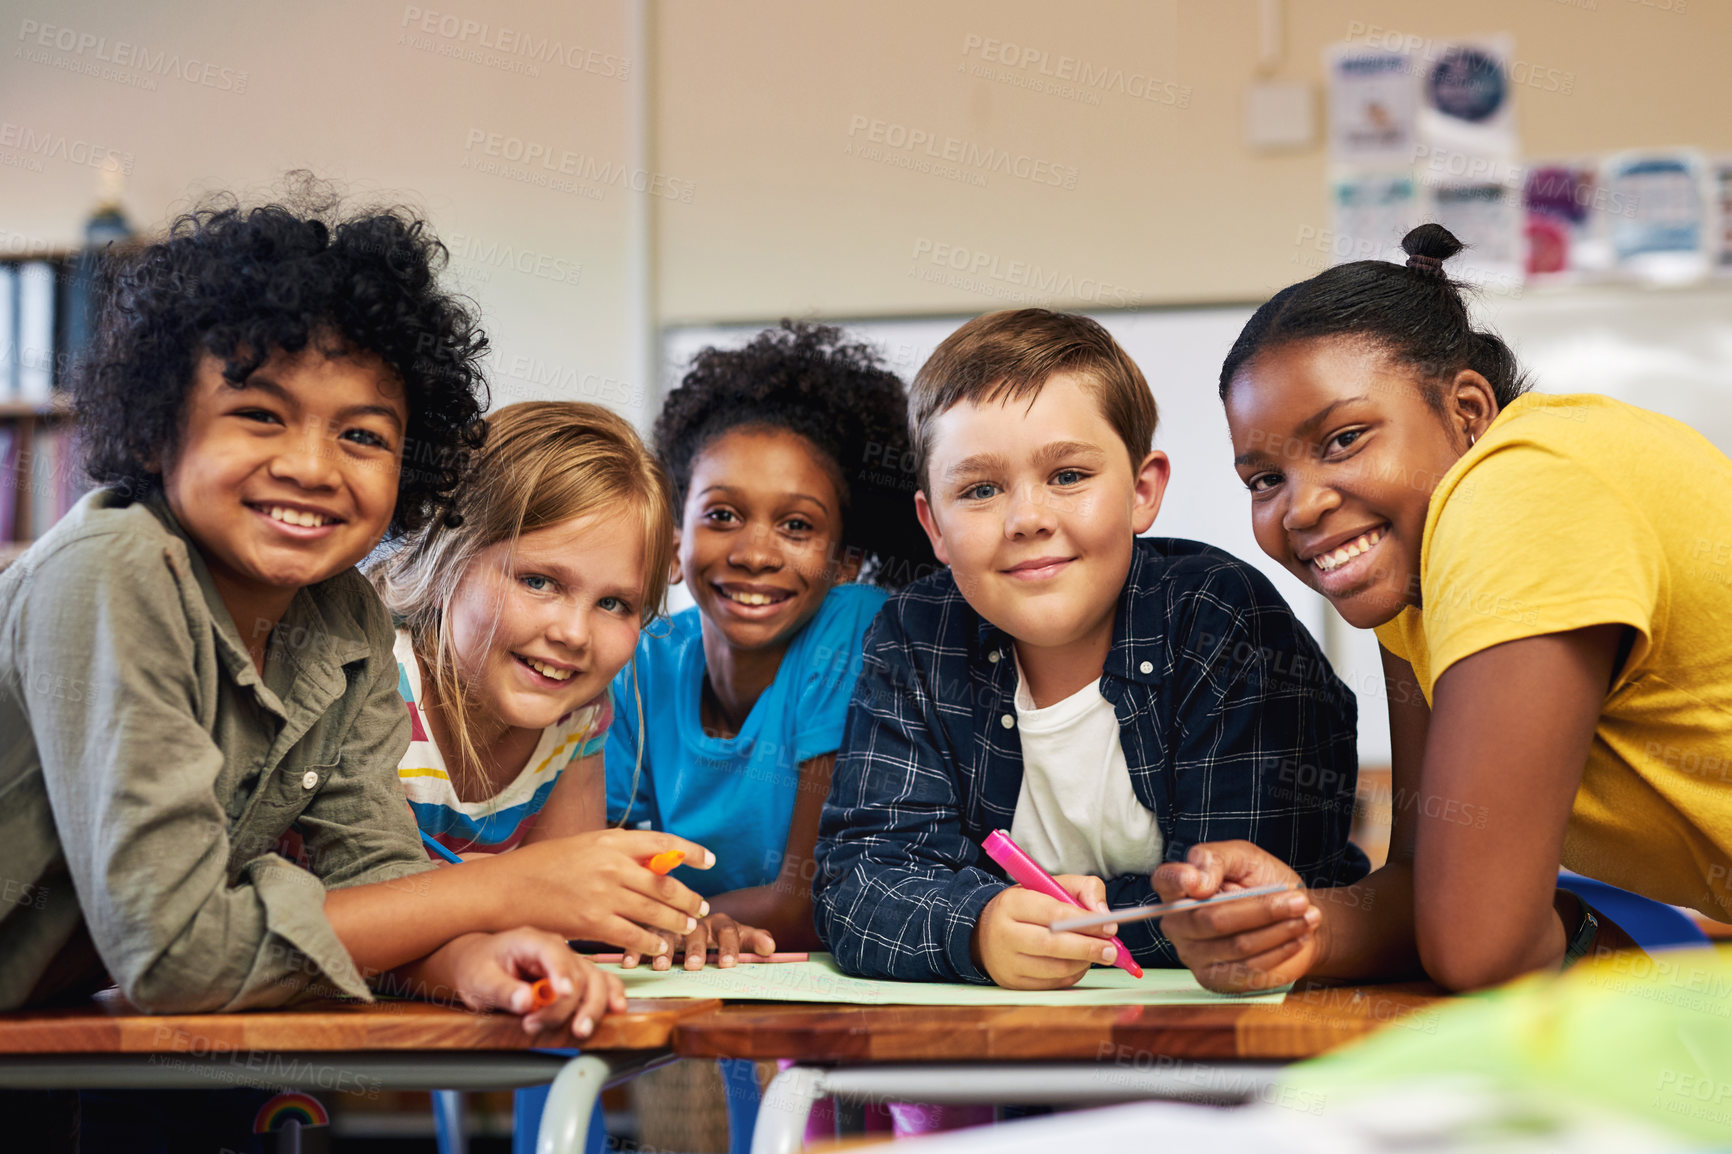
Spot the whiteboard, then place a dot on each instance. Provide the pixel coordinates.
(1669, 350)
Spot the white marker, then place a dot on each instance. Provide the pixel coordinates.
(1144, 913)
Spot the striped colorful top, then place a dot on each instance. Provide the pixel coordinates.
(500, 822)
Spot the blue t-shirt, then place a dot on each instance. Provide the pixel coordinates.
(733, 795)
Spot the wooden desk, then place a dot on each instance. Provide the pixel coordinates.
(109, 1025)
(1047, 1054)
(1302, 1026)
(339, 1046)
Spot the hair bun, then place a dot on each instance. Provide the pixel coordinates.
(1428, 246)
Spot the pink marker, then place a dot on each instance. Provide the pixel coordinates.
(1026, 872)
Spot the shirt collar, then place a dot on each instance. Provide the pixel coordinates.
(344, 634)
(1139, 628)
(990, 637)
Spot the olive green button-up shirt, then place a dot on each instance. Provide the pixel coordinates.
(147, 771)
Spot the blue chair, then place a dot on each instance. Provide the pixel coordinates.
(526, 1107)
(1654, 926)
(740, 1082)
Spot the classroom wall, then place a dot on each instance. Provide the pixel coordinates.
(1158, 201)
(381, 99)
(755, 199)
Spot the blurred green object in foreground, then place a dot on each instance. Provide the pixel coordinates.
(1647, 1037)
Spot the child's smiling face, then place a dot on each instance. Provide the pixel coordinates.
(289, 478)
(540, 626)
(1034, 506)
(1341, 452)
(759, 535)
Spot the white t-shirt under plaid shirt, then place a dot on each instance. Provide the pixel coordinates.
(500, 822)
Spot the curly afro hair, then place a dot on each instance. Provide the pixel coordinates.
(806, 379)
(242, 284)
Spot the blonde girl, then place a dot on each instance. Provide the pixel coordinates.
(514, 614)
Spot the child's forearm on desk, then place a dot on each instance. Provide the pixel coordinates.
(433, 978)
(389, 924)
(1367, 928)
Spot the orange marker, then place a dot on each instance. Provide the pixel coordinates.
(542, 995)
(665, 861)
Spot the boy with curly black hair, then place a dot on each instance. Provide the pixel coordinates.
(239, 285)
(788, 462)
(192, 667)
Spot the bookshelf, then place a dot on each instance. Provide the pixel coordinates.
(44, 323)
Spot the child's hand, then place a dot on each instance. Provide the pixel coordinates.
(1247, 945)
(1014, 946)
(729, 937)
(498, 972)
(596, 886)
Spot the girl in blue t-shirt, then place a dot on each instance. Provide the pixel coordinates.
(791, 473)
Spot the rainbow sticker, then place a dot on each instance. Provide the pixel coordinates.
(286, 1108)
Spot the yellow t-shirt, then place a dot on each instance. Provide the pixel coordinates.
(1574, 511)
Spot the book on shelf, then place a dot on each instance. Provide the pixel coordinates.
(48, 305)
(56, 479)
(8, 333)
(9, 477)
(37, 283)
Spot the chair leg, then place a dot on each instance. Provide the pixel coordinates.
(572, 1103)
(527, 1105)
(787, 1104)
(740, 1084)
(449, 1122)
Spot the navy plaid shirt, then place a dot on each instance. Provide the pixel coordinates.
(1232, 722)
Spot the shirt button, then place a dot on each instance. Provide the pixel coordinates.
(994, 656)
(1007, 721)
(1147, 667)
(310, 779)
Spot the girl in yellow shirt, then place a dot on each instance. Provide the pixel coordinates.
(1550, 579)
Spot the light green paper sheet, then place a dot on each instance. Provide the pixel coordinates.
(820, 981)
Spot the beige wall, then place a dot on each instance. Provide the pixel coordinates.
(758, 209)
(337, 87)
(756, 101)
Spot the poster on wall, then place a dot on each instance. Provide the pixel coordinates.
(1466, 102)
(1722, 186)
(1372, 104)
(1372, 211)
(1486, 217)
(1566, 207)
(1664, 235)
